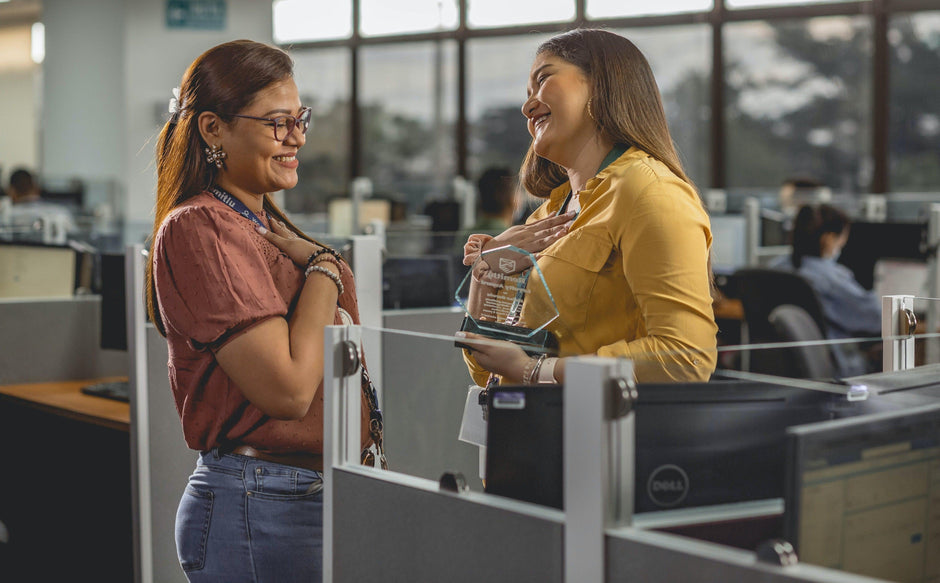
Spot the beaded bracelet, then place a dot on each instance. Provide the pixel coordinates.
(320, 269)
(319, 252)
(325, 258)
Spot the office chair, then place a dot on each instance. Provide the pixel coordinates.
(761, 290)
(794, 324)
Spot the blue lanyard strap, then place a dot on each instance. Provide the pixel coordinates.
(236, 205)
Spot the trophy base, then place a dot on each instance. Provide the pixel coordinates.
(532, 342)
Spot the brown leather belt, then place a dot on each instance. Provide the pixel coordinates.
(308, 461)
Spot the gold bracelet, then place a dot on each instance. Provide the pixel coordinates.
(529, 375)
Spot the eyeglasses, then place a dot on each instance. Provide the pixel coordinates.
(284, 124)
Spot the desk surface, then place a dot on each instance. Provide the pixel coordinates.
(65, 398)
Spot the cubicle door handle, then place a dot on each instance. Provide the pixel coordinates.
(348, 354)
(622, 395)
(908, 322)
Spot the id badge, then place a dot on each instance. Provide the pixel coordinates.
(473, 424)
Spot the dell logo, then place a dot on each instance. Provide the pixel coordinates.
(667, 486)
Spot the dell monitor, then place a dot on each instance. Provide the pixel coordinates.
(696, 444)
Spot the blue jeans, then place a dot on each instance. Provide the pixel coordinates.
(243, 519)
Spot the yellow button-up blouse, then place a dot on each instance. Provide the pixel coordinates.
(631, 277)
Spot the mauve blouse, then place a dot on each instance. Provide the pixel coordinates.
(216, 277)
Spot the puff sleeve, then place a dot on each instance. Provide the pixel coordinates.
(211, 279)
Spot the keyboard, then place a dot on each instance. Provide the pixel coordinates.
(117, 390)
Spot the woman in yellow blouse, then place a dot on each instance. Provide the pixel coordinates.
(630, 273)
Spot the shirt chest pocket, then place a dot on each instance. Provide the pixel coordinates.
(571, 268)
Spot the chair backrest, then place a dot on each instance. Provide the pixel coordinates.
(761, 290)
(794, 324)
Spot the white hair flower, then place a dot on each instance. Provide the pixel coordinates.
(174, 107)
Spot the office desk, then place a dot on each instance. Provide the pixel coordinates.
(65, 495)
(65, 398)
(728, 309)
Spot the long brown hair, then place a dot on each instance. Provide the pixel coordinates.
(225, 79)
(625, 103)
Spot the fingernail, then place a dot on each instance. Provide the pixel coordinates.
(261, 230)
(461, 334)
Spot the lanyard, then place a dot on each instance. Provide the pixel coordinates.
(235, 204)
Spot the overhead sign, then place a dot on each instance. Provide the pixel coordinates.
(196, 14)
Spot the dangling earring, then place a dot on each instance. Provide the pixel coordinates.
(590, 113)
(215, 155)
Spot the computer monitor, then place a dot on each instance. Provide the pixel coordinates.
(418, 282)
(863, 494)
(340, 214)
(33, 271)
(775, 228)
(112, 321)
(869, 242)
(696, 444)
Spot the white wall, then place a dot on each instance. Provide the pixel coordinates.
(109, 72)
(156, 59)
(19, 95)
(19, 112)
(82, 122)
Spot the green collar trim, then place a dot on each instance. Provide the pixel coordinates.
(615, 152)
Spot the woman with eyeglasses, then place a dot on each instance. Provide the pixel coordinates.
(243, 297)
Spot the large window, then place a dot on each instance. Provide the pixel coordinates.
(381, 17)
(408, 110)
(498, 70)
(305, 20)
(798, 102)
(615, 8)
(805, 88)
(323, 81)
(681, 62)
(914, 115)
(489, 13)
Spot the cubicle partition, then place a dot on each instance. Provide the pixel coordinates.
(633, 508)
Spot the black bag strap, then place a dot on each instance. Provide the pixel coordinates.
(376, 424)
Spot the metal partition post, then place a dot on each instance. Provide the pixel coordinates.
(897, 330)
(367, 269)
(140, 427)
(933, 285)
(598, 460)
(466, 195)
(360, 190)
(341, 410)
(752, 230)
(875, 207)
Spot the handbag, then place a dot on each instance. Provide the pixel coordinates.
(376, 425)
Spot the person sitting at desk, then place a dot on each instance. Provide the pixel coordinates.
(496, 201)
(819, 233)
(28, 210)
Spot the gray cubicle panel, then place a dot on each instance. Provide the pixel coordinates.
(170, 464)
(399, 528)
(50, 340)
(651, 557)
(432, 405)
(160, 460)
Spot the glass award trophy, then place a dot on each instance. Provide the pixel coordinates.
(505, 297)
